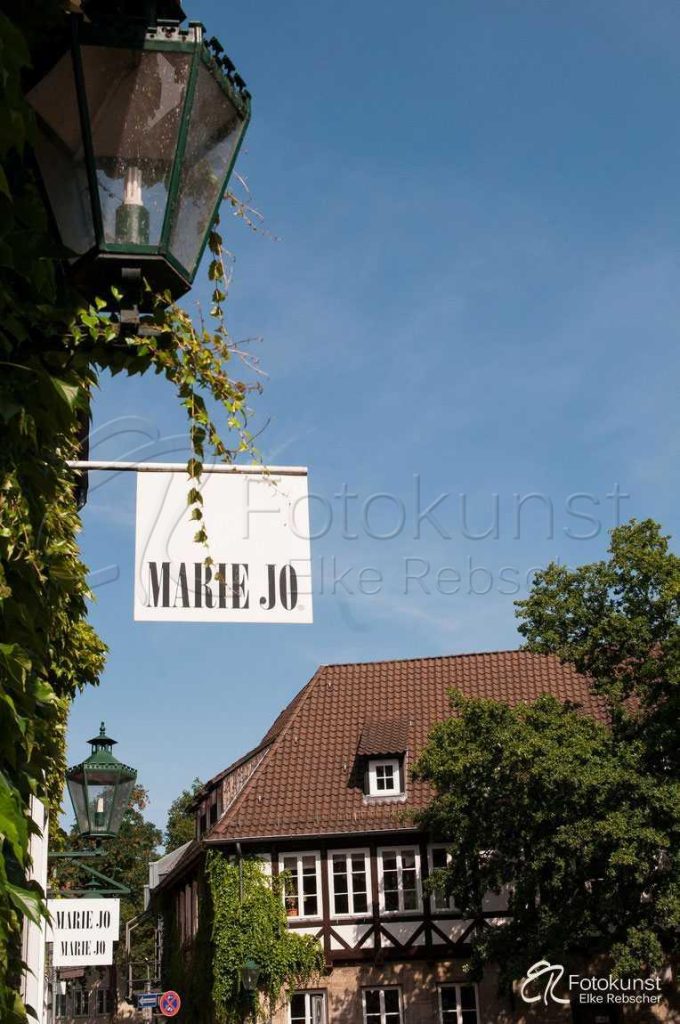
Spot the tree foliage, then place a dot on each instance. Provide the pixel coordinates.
(53, 345)
(579, 819)
(181, 825)
(249, 923)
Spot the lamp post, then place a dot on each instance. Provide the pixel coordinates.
(139, 124)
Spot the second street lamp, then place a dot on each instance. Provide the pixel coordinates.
(139, 125)
(100, 789)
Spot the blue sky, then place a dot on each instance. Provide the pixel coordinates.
(473, 291)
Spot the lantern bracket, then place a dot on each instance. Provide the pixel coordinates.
(99, 885)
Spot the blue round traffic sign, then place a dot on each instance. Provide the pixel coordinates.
(169, 1004)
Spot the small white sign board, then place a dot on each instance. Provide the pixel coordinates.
(257, 523)
(83, 931)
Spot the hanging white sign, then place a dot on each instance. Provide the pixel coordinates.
(83, 931)
(257, 525)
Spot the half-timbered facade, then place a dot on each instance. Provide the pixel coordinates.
(327, 797)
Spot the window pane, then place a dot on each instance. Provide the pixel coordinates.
(449, 1000)
(135, 100)
(360, 903)
(391, 1000)
(59, 150)
(408, 859)
(341, 904)
(410, 900)
(438, 857)
(310, 906)
(297, 1008)
(213, 135)
(372, 1000)
(392, 901)
(291, 886)
(467, 997)
(317, 1009)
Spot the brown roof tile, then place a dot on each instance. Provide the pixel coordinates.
(307, 784)
(389, 736)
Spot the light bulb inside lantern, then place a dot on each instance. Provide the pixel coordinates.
(99, 813)
(132, 217)
(132, 187)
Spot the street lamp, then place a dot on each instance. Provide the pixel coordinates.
(250, 975)
(139, 124)
(100, 789)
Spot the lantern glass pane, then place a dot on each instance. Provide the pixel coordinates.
(120, 803)
(99, 799)
(76, 788)
(60, 155)
(135, 101)
(214, 130)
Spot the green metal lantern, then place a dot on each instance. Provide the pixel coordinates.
(100, 789)
(250, 974)
(139, 125)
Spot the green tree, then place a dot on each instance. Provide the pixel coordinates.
(181, 825)
(580, 820)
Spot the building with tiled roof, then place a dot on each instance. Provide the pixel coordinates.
(327, 796)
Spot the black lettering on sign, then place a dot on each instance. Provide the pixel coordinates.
(182, 586)
(202, 589)
(282, 587)
(160, 587)
(211, 590)
(288, 587)
(239, 580)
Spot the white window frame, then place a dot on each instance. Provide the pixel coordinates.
(382, 989)
(384, 762)
(399, 850)
(433, 896)
(299, 854)
(309, 995)
(331, 882)
(459, 1010)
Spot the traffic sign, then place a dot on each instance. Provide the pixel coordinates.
(148, 999)
(169, 1004)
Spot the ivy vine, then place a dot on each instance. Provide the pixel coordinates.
(53, 347)
(249, 923)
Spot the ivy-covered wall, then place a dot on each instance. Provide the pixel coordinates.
(242, 918)
(189, 971)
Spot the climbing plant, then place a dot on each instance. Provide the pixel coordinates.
(249, 923)
(53, 346)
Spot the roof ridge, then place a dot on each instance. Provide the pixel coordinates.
(302, 694)
(433, 657)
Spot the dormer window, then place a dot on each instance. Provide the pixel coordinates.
(384, 777)
(382, 756)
